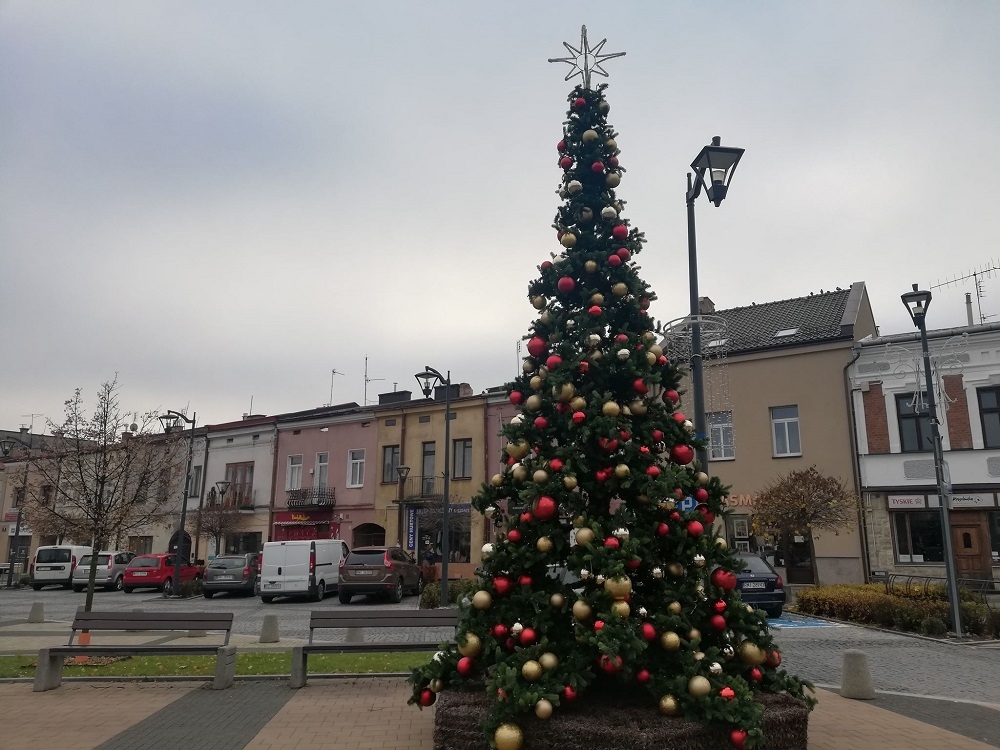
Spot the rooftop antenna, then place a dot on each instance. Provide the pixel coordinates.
(333, 372)
(31, 428)
(977, 275)
(367, 381)
(518, 369)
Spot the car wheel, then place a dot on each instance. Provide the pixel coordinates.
(36, 587)
(267, 599)
(167, 586)
(320, 591)
(127, 589)
(397, 593)
(78, 589)
(119, 583)
(420, 586)
(208, 594)
(68, 584)
(345, 597)
(774, 613)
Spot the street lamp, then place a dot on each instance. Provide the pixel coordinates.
(719, 164)
(6, 446)
(402, 472)
(427, 380)
(169, 421)
(917, 303)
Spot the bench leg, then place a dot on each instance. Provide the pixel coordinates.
(299, 657)
(225, 668)
(48, 673)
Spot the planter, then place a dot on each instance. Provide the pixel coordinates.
(603, 721)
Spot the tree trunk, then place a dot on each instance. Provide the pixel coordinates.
(812, 560)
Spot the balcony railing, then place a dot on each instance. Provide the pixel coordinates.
(311, 496)
(415, 488)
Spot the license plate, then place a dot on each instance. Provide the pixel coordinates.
(140, 573)
(225, 578)
(754, 585)
(363, 572)
(271, 586)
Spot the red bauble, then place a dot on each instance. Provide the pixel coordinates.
(555, 464)
(756, 675)
(553, 361)
(502, 585)
(701, 494)
(584, 366)
(524, 580)
(648, 631)
(562, 408)
(537, 346)
(681, 454)
(708, 515)
(579, 417)
(653, 471)
(566, 163)
(623, 253)
(773, 659)
(610, 445)
(644, 303)
(694, 528)
(597, 167)
(465, 666)
(662, 529)
(612, 542)
(643, 449)
(528, 636)
(579, 103)
(569, 693)
(514, 536)
(598, 625)
(541, 423)
(526, 517)
(566, 284)
(499, 631)
(595, 310)
(516, 397)
(639, 386)
(657, 435)
(727, 693)
(614, 261)
(679, 418)
(561, 146)
(427, 697)
(719, 606)
(545, 508)
(621, 338)
(661, 360)
(675, 516)
(625, 435)
(620, 232)
(610, 664)
(724, 579)
(633, 564)
(718, 622)
(738, 737)
(613, 162)
(547, 264)
(642, 676)
(672, 396)
(511, 460)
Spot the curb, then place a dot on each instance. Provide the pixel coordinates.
(945, 641)
(210, 678)
(995, 706)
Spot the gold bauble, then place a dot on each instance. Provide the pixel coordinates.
(527, 366)
(619, 587)
(536, 383)
(497, 480)
(611, 145)
(721, 543)
(702, 477)
(694, 635)
(675, 569)
(611, 409)
(644, 499)
(638, 407)
(436, 686)
(568, 239)
(586, 215)
(650, 358)
(582, 610)
(751, 653)
(540, 476)
(699, 655)
(546, 318)
(518, 450)
(580, 521)
(564, 393)
(621, 609)
(538, 302)
(597, 298)
(508, 737)
(579, 403)
(519, 472)
(543, 709)
(674, 608)
(613, 180)
(585, 536)
(533, 402)
(590, 266)
(531, 671)
(557, 601)
(482, 600)
(471, 645)
(670, 641)
(699, 686)
(669, 706)
(620, 289)
(656, 348)
(622, 471)
(569, 483)
(548, 660)
(589, 136)
(544, 544)
(596, 356)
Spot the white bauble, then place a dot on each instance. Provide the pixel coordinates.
(574, 186)
(488, 549)
(624, 354)
(608, 213)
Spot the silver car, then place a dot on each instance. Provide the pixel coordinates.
(111, 566)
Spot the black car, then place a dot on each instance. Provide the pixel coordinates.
(759, 585)
(236, 573)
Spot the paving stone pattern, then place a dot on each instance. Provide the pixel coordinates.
(976, 722)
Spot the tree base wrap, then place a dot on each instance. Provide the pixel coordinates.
(601, 721)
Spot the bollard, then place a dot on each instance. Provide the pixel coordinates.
(37, 613)
(856, 681)
(269, 630)
(355, 635)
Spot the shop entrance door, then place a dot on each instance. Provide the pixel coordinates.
(970, 542)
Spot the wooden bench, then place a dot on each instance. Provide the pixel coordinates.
(48, 673)
(360, 618)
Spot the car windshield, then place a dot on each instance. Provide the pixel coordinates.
(366, 557)
(228, 562)
(145, 562)
(101, 560)
(53, 556)
(755, 564)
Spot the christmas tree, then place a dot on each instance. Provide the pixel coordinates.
(600, 481)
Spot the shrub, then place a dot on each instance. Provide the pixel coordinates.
(188, 588)
(25, 580)
(457, 589)
(933, 626)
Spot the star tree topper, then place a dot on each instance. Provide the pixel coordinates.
(586, 59)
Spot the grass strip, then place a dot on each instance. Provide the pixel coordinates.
(253, 662)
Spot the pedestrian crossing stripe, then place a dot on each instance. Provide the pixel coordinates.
(788, 621)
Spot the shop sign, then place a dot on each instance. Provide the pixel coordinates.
(740, 501)
(972, 500)
(300, 517)
(411, 528)
(903, 502)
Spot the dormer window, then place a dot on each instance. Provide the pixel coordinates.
(786, 332)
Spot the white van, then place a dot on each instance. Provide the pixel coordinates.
(308, 567)
(55, 565)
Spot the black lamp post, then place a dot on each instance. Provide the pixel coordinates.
(713, 170)
(402, 472)
(917, 303)
(428, 379)
(169, 420)
(6, 446)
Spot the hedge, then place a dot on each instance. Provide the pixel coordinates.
(457, 589)
(871, 605)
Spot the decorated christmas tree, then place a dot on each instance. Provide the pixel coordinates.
(608, 567)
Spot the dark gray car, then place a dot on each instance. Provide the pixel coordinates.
(379, 570)
(235, 573)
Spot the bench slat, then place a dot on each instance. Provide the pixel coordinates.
(365, 648)
(132, 650)
(153, 625)
(98, 616)
(382, 619)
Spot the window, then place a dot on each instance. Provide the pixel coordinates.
(356, 467)
(194, 488)
(240, 478)
(461, 465)
(140, 545)
(424, 418)
(914, 424)
(427, 469)
(989, 413)
(293, 477)
(785, 430)
(390, 423)
(786, 332)
(390, 461)
(242, 543)
(720, 435)
(918, 537)
(322, 472)
(994, 524)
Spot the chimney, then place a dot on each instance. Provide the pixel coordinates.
(126, 436)
(24, 431)
(394, 397)
(706, 306)
(968, 307)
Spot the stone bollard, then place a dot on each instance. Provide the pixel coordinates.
(37, 613)
(856, 681)
(269, 630)
(355, 635)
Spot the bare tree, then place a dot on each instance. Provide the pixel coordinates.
(218, 518)
(103, 475)
(804, 503)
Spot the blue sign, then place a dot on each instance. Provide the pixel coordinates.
(687, 503)
(411, 528)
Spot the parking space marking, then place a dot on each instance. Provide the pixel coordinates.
(787, 621)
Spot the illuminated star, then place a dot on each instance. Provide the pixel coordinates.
(586, 59)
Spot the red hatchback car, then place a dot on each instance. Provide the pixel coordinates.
(156, 572)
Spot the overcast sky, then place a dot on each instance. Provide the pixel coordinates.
(227, 200)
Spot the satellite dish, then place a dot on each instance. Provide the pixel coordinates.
(133, 427)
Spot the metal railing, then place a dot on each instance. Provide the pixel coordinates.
(910, 585)
(309, 496)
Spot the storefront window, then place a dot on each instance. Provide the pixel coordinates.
(918, 537)
(994, 523)
(428, 533)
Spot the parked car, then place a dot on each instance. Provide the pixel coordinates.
(55, 564)
(308, 567)
(235, 573)
(111, 566)
(760, 585)
(156, 572)
(379, 570)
